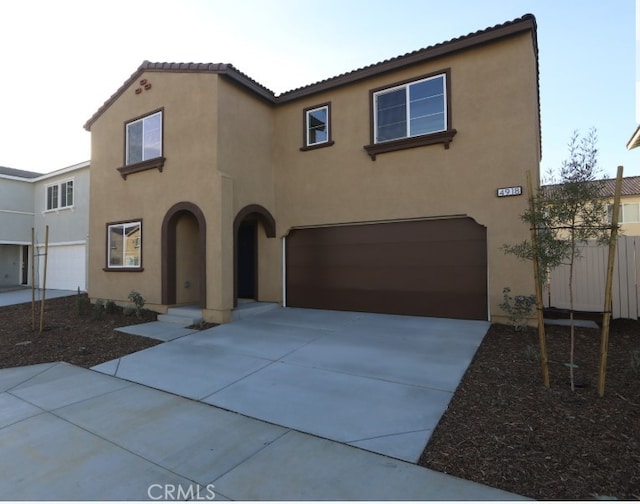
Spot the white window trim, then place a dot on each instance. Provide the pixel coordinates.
(110, 247)
(621, 216)
(307, 128)
(59, 207)
(406, 87)
(142, 119)
(625, 221)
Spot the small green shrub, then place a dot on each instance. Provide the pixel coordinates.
(98, 310)
(518, 308)
(137, 299)
(128, 311)
(111, 307)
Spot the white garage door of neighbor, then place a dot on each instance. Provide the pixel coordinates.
(66, 268)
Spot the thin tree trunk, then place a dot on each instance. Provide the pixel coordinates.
(544, 361)
(572, 328)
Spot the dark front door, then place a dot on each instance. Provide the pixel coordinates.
(25, 264)
(246, 260)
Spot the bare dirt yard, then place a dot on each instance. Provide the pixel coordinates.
(73, 331)
(502, 427)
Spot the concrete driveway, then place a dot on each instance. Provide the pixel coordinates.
(378, 382)
(16, 295)
(292, 404)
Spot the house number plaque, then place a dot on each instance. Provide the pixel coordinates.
(509, 191)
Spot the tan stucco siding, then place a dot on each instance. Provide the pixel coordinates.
(245, 157)
(494, 108)
(189, 106)
(245, 151)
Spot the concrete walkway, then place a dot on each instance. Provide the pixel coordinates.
(289, 405)
(17, 295)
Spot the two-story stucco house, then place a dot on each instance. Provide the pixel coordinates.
(376, 190)
(30, 200)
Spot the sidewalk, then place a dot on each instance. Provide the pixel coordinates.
(68, 433)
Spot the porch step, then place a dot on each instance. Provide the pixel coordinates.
(182, 315)
(250, 308)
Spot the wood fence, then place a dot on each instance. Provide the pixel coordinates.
(590, 272)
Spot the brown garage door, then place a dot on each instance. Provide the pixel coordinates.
(435, 268)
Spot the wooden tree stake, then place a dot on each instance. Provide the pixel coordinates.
(606, 318)
(33, 279)
(44, 276)
(536, 274)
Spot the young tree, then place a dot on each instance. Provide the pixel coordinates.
(567, 213)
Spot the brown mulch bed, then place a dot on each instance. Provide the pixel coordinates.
(504, 429)
(73, 331)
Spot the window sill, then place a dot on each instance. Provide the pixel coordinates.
(149, 164)
(120, 270)
(58, 210)
(317, 146)
(443, 137)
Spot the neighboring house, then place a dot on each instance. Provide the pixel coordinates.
(29, 200)
(16, 221)
(629, 217)
(634, 141)
(376, 190)
(589, 273)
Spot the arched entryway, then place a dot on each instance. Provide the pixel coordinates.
(184, 256)
(246, 226)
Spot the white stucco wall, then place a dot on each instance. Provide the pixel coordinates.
(23, 203)
(16, 210)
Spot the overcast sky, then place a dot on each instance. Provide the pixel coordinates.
(62, 59)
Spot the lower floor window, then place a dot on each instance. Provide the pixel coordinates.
(124, 245)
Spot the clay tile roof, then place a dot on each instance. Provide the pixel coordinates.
(630, 187)
(519, 25)
(12, 172)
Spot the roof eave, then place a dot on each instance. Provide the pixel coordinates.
(634, 141)
(216, 68)
(524, 24)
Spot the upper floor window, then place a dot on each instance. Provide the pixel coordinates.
(60, 195)
(410, 110)
(124, 245)
(317, 127)
(629, 212)
(144, 138)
